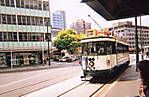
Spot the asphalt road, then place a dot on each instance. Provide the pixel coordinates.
(20, 83)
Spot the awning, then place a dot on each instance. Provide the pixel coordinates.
(119, 9)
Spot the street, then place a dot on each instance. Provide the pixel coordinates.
(20, 83)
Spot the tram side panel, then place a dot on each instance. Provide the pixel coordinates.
(123, 58)
(95, 65)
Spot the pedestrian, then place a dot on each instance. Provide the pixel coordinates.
(143, 69)
(146, 56)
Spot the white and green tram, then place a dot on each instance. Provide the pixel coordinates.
(103, 55)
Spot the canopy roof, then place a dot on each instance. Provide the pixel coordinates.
(119, 9)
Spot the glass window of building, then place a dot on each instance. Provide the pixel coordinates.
(39, 3)
(5, 34)
(41, 21)
(19, 20)
(45, 5)
(27, 3)
(28, 20)
(13, 19)
(24, 36)
(10, 36)
(0, 19)
(33, 21)
(24, 20)
(1, 36)
(22, 3)
(20, 37)
(18, 3)
(9, 19)
(32, 4)
(4, 19)
(15, 36)
(7, 2)
(12, 3)
(2, 2)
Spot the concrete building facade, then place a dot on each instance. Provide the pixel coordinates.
(80, 26)
(126, 30)
(23, 31)
(59, 20)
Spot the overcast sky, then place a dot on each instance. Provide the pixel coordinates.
(74, 10)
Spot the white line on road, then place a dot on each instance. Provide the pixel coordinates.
(22, 80)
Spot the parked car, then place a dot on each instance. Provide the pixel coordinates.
(56, 58)
(73, 57)
(65, 59)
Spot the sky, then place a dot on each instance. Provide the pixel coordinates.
(76, 10)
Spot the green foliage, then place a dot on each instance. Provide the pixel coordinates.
(67, 40)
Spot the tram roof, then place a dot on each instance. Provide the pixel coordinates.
(112, 39)
(119, 9)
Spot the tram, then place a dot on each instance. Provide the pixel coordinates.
(103, 55)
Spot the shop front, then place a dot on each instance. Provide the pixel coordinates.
(9, 59)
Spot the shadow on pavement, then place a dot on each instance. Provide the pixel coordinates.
(130, 74)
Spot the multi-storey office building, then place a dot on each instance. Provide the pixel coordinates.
(80, 26)
(126, 30)
(59, 20)
(23, 30)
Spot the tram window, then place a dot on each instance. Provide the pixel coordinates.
(101, 51)
(101, 48)
(91, 48)
(84, 48)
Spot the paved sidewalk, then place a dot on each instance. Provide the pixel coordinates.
(127, 85)
(24, 68)
(37, 67)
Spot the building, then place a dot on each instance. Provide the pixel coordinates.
(126, 30)
(59, 20)
(23, 32)
(80, 26)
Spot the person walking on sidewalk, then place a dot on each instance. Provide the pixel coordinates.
(143, 69)
(146, 57)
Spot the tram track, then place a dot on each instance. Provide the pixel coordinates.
(84, 90)
(75, 88)
(71, 89)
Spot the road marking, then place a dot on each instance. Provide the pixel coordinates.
(22, 80)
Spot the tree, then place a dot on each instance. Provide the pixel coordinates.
(67, 40)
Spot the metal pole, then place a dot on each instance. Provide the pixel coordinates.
(136, 41)
(141, 40)
(48, 43)
(43, 50)
(11, 61)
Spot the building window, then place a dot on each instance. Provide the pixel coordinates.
(0, 19)
(5, 34)
(7, 2)
(24, 36)
(22, 4)
(4, 19)
(12, 3)
(27, 4)
(18, 3)
(24, 19)
(2, 2)
(13, 19)
(9, 19)
(45, 5)
(28, 20)
(39, 5)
